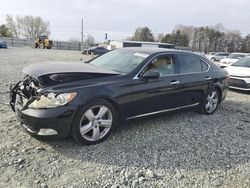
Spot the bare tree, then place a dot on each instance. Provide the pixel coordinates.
(90, 40)
(187, 31)
(27, 26)
(34, 26)
(219, 27)
(159, 37)
(246, 44)
(13, 26)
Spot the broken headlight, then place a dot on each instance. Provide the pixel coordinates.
(52, 100)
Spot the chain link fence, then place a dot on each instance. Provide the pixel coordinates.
(60, 45)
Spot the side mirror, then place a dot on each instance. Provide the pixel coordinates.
(151, 75)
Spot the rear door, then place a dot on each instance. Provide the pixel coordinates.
(195, 77)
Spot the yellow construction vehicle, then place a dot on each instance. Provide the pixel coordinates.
(42, 42)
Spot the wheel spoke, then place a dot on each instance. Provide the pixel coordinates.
(215, 101)
(212, 107)
(213, 94)
(103, 110)
(90, 115)
(86, 128)
(106, 123)
(207, 106)
(96, 133)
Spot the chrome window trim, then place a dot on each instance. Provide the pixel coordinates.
(169, 53)
(161, 111)
(136, 76)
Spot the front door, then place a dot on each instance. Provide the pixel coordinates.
(155, 95)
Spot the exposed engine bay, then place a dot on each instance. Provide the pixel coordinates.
(28, 92)
(31, 91)
(23, 91)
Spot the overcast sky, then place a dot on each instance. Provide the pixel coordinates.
(120, 18)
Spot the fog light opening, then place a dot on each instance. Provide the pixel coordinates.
(47, 132)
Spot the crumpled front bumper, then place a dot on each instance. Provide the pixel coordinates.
(50, 123)
(47, 122)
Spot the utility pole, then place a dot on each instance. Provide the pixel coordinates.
(82, 35)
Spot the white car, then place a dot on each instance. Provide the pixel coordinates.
(231, 59)
(210, 54)
(239, 74)
(218, 56)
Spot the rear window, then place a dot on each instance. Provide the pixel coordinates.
(191, 64)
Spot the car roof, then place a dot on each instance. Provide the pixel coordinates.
(152, 50)
(222, 53)
(238, 53)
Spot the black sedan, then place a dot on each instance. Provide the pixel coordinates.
(97, 50)
(88, 100)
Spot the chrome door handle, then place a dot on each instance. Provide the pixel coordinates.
(208, 78)
(174, 82)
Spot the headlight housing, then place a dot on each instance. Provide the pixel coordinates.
(52, 100)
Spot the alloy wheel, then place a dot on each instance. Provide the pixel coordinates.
(96, 122)
(212, 101)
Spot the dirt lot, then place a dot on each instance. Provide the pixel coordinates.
(182, 149)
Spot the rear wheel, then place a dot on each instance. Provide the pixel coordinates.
(211, 102)
(34, 45)
(94, 122)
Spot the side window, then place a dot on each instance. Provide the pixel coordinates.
(165, 65)
(191, 64)
(205, 67)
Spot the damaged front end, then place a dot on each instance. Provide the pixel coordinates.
(36, 108)
(28, 93)
(24, 92)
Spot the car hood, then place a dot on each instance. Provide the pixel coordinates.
(238, 71)
(53, 73)
(41, 69)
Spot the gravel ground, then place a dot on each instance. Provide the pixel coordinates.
(182, 149)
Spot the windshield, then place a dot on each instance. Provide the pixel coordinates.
(236, 56)
(120, 60)
(242, 63)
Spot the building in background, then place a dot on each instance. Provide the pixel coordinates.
(123, 44)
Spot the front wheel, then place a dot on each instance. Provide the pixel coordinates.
(211, 102)
(94, 122)
(41, 46)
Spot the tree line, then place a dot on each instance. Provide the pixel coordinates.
(205, 38)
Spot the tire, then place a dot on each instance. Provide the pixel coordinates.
(213, 59)
(34, 45)
(94, 122)
(41, 46)
(210, 102)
